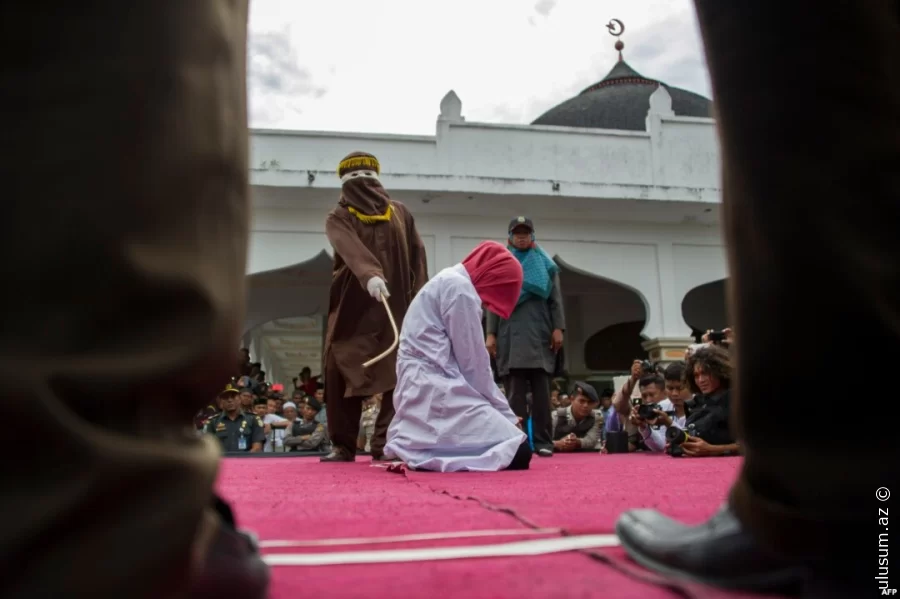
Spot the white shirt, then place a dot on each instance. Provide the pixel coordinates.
(276, 435)
(655, 437)
(450, 415)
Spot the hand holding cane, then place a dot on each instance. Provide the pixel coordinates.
(393, 346)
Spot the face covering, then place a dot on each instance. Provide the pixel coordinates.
(497, 277)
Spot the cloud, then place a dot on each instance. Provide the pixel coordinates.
(278, 85)
(545, 7)
(670, 50)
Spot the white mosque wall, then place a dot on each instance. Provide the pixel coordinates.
(547, 153)
(676, 159)
(695, 264)
(689, 152)
(292, 154)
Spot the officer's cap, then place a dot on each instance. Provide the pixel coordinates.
(587, 390)
(229, 390)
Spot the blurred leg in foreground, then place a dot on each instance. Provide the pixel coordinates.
(808, 109)
(125, 212)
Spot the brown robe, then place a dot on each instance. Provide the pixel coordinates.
(358, 327)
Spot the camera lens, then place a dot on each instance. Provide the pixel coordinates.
(648, 411)
(675, 436)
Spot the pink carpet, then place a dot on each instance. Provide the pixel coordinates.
(300, 499)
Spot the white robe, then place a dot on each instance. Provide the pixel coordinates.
(450, 415)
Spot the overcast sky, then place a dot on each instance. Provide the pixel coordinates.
(383, 67)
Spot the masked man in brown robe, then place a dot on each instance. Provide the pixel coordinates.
(378, 255)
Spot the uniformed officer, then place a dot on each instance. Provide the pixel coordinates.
(307, 434)
(575, 427)
(236, 430)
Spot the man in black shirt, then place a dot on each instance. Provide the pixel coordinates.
(708, 375)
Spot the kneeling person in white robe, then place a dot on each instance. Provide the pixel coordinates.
(450, 414)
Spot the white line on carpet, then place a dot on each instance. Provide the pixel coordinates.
(428, 536)
(533, 547)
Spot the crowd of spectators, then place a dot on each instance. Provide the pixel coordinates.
(250, 415)
(680, 408)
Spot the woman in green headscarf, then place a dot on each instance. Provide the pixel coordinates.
(526, 345)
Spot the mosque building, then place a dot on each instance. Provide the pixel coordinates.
(621, 182)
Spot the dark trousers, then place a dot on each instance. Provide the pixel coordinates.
(127, 193)
(344, 413)
(519, 381)
(812, 214)
(522, 459)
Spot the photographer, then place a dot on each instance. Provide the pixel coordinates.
(724, 337)
(622, 402)
(620, 418)
(706, 431)
(670, 412)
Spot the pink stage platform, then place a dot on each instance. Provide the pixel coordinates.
(355, 514)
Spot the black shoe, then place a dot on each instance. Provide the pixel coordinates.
(718, 552)
(233, 568)
(338, 455)
(545, 453)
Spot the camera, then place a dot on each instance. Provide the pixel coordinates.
(716, 336)
(647, 411)
(647, 367)
(675, 437)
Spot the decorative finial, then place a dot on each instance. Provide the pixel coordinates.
(616, 29)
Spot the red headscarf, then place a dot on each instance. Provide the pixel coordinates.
(496, 275)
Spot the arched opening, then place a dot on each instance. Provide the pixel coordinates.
(286, 311)
(614, 348)
(287, 345)
(604, 320)
(705, 307)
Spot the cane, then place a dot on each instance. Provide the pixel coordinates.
(393, 346)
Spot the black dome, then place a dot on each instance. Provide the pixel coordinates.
(621, 101)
